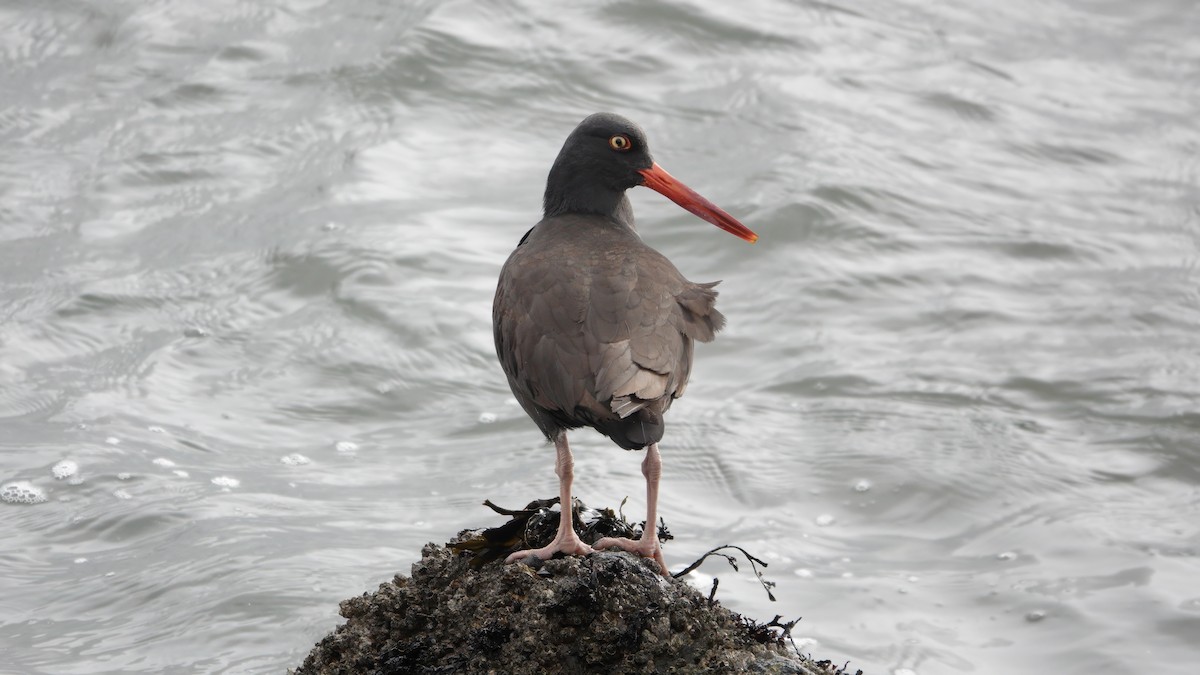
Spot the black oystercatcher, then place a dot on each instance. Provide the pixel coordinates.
(595, 328)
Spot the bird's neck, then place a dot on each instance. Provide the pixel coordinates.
(570, 192)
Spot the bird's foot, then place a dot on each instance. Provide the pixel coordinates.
(646, 547)
(569, 544)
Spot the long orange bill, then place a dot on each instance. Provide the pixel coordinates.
(657, 179)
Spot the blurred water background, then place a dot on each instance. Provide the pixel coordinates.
(247, 256)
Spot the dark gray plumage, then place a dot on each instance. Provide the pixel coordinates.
(595, 328)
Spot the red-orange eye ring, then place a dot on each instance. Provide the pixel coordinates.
(620, 143)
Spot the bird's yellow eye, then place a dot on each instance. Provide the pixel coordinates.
(620, 143)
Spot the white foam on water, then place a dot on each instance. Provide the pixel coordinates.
(163, 462)
(156, 430)
(226, 481)
(699, 581)
(181, 473)
(806, 644)
(346, 446)
(295, 459)
(824, 520)
(22, 492)
(112, 440)
(862, 485)
(65, 469)
(487, 418)
(121, 493)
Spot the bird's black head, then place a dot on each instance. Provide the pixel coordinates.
(600, 160)
(605, 156)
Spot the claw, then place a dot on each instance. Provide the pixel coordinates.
(646, 547)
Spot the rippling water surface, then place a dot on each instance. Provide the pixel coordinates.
(247, 253)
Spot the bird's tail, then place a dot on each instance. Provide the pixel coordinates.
(640, 429)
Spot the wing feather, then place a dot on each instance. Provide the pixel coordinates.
(591, 334)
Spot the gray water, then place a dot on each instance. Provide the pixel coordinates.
(247, 254)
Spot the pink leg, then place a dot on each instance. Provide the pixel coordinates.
(566, 540)
(647, 546)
